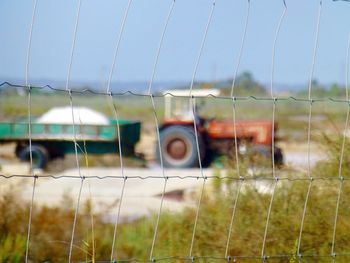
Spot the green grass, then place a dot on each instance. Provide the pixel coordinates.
(15, 106)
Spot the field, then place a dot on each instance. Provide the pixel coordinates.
(54, 210)
(291, 114)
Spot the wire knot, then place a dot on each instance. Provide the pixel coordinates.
(229, 258)
(69, 90)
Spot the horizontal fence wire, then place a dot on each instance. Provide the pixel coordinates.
(242, 178)
(228, 259)
(160, 95)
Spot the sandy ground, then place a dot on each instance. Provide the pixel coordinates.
(141, 197)
(296, 154)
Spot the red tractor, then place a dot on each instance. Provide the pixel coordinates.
(215, 137)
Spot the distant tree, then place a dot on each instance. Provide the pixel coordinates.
(320, 91)
(337, 91)
(246, 76)
(245, 85)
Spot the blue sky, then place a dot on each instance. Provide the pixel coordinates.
(100, 23)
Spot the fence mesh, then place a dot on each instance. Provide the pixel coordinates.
(256, 225)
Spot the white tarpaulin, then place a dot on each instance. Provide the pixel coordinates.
(82, 115)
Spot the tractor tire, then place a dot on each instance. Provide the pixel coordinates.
(279, 159)
(179, 147)
(39, 154)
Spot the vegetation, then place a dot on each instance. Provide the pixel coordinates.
(292, 116)
(51, 226)
(321, 91)
(245, 85)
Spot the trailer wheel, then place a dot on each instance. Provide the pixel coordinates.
(179, 149)
(39, 154)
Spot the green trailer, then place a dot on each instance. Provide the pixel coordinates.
(50, 141)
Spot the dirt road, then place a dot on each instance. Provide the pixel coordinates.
(141, 196)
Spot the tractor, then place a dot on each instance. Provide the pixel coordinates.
(178, 141)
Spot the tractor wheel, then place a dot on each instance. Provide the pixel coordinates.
(279, 160)
(39, 154)
(179, 149)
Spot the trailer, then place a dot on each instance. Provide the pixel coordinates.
(179, 140)
(50, 141)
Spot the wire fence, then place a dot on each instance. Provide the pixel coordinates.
(241, 179)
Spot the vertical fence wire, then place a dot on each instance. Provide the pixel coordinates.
(235, 203)
(237, 66)
(86, 157)
(341, 158)
(116, 116)
(273, 58)
(156, 120)
(34, 11)
(278, 29)
(193, 106)
(160, 45)
(309, 128)
(68, 89)
(117, 45)
(121, 197)
(240, 53)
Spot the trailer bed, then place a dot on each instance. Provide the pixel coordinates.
(58, 139)
(13, 131)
